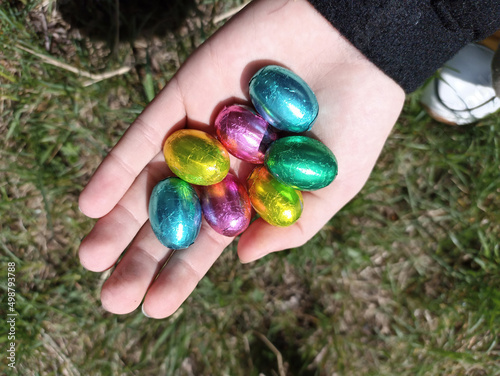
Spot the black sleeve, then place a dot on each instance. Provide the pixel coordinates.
(410, 39)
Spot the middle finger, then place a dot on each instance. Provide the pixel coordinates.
(113, 233)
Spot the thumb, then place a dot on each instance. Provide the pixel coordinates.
(261, 238)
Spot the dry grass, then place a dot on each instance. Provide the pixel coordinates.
(404, 281)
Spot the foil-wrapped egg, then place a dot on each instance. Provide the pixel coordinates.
(301, 162)
(175, 213)
(283, 99)
(226, 206)
(196, 157)
(276, 203)
(244, 133)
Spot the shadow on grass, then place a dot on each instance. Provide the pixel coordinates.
(124, 20)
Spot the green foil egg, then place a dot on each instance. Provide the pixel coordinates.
(276, 203)
(301, 162)
(196, 157)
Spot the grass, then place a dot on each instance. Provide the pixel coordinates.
(403, 281)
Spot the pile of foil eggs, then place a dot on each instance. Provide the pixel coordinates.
(285, 165)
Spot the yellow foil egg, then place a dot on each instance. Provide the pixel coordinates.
(276, 203)
(196, 157)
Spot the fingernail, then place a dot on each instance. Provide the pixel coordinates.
(255, 258)
(246, 261)
(144, 312)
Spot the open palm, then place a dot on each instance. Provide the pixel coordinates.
(358, 107)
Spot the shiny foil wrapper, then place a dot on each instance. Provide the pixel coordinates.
(175, 213)
(196, 157)
(283, 99)
(226, 206)
(245, 134)
(302, 163)
(278, 204)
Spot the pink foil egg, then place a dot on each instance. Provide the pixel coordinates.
(226, 206)
(244, 133)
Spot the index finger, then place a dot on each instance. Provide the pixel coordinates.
(140, 143)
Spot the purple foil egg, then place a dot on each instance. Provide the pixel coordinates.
(226, 206)
(244, 133)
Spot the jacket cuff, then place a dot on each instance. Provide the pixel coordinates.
(409, 40)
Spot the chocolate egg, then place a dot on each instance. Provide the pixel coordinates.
(244, 133)
(175, 213)
(196, 157)
(226, 206)
(283, 99)
(301, 162)
(277, 203)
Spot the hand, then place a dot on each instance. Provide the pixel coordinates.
(358, 107)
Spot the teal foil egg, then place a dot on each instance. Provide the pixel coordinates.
(283, 99)
(301, 162)
(175, 213)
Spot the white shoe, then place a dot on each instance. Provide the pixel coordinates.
(463, 93)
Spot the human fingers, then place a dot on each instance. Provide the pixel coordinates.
(261, 238)
(183, 271)
(124, 290)
(112, 233)
(140, 143)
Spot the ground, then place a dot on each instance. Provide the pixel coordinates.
(403, 281)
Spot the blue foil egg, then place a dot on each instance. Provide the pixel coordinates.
(175, 213)
(283, 99)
